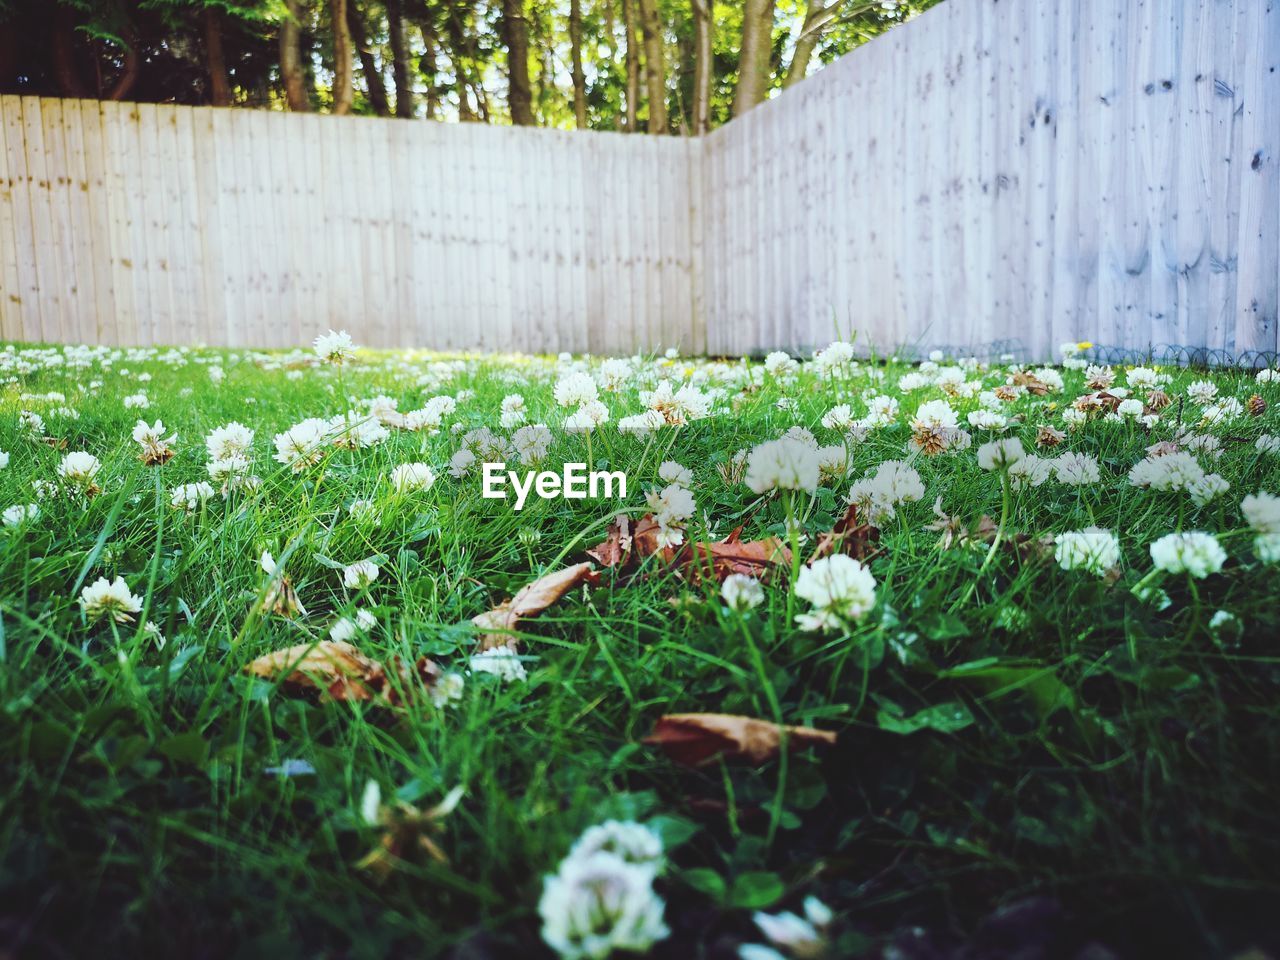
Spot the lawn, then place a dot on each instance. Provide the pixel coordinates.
(266, 691)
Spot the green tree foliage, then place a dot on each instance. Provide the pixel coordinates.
(452, 55)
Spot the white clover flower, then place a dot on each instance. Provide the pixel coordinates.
(839, 417)
(598, 904)
(357, 431)
(741, 592)
(460, 463)
(795, 934)
(335, 347)
(1207, 488)
(836, 353)
(1001, 454)
(881, 411)
(833, 462)
(840, 589)
(780, 364)
(1130, 408)
(104, 598)
(1267, 375)
(1266, 547)
(632, 842)
(614, 374)
(190, 496)
(346, 629)
(4, 459)
(575, 389)
(408, 477)
(1092, 549)
(513, 412)
(1261, 511)
(232, 439)
(671, 472)
(358, 575)
(935, 415)
(784, 464)
(672, 508)
(1142, 378)
(532, 443)
(987, 420)
(1030, 471)
(447, 690)
(1196, 553)
(677, 406)
(587, 417)
(503, 662)
(1076, 469)
(136, 401)
(80, 469)
(1202, 391)
(19, 514)
(303, 445)
(1178, 470)
(1268, 444)
(894, 482)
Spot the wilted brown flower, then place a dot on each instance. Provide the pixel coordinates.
(1047, 436)
(1256, 406)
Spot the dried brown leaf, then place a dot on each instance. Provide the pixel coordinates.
(343, 673)
(529, 602)
(692, 739)
(848, 536)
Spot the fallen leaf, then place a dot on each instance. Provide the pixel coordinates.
(848, 536)
(693, 739)
(529, 602)
(343, 672)
(616, 548)
(755, 558)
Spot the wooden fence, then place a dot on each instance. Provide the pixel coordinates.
(146, 224)
(1042, 170)
(995, 169)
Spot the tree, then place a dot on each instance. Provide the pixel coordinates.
(515, 33)
(343, 89)
(578, 77)
(816, 17)
(756, 56)
(703, 64)
(632, 56)
(291, 73)
(373, 81)
(399, 59)
(655, 70)
(219, 82)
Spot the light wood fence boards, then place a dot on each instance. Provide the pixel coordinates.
(992, 170)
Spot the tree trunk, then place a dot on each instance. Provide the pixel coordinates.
(399, 60)
(373, 81)
(816, 17)
(291, 73)
(343, 92)
(575, 50)
(633, 66)
(655, 68)
(755, 54)
(459, 54)
(65, 72)
(515, 33)
(215, 59)
(428, 67)
(703, 39)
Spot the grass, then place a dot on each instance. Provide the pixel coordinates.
(1027, 755)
